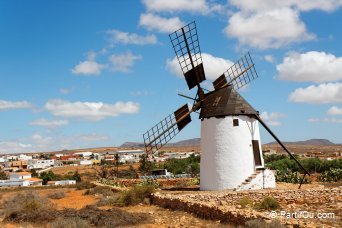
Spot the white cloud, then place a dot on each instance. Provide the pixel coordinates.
(64, 91)
(46, 143)
(92, 137)
(193, 6)
(90, 110)
(140, 93)
(267, 29)
(272, 118)
(88, 67)
(334, 110)
(269, 58)
(123, 62)
(302, 5)
(311, 66)
(49, 123)
(116, 36)
(13, 147)
(326, 120)
(320, 94)
(213, 66)
(5, 105)
(160, 24)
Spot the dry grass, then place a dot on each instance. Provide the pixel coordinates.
(28, 207)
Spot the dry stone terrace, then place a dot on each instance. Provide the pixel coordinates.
(224, 205)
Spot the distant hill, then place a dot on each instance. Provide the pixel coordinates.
(189, 142)
(314, 142)
(195, 142)
(132, 145)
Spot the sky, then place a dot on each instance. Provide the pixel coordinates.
(86, 73)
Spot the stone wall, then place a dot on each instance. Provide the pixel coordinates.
(224, 205)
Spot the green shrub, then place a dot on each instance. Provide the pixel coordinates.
(290, 177)
(135, 195)
(56, 195)
(258, 223)
(106, 201)
(150, 182)
(100, 190)
(332, 175)
(84, 185)
(3, 175)
(268, 203)
(74, 222)
(246, 202)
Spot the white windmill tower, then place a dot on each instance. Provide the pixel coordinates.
(231, 155)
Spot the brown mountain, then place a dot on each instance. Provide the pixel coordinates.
(313, 142)
(195, 142)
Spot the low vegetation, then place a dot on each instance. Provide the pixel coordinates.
(28, 207)
(51, 176)
(268, 203)
(190, 165)
(331, 175)
(291, 177)
(75, 222)
(135, 195)
(3, 175)
(57, 195)
(246, 202)
(84, 185)
(100, 190)
(258, 223)
(289, 171)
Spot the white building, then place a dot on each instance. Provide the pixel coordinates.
(86, 162)
(20, 179)
(85, 154)
(25, 157)
(42, 164)
(20, 176)
(129, 155)
(230, 142)
(62, 182)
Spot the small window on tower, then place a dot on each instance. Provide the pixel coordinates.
(235, 122)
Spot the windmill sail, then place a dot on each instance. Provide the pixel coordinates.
(186, 46)
(165, 130)
(239, 75)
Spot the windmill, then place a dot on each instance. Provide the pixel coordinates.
(231, 155)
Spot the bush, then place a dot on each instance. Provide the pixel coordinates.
(3, 175)
(84, 185)
(106, 201)
(100, 190)
(258, 223)
(135, 195)
(74, 222)
(57, 195)
(332, 175)
(150, 182)
(290, 177)
(246, 202)
(28, 207)
(268, 203)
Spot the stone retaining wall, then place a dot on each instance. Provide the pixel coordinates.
(224, 205)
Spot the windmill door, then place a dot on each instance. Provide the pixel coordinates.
(256, 151)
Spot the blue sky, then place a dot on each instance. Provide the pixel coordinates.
(99, 73)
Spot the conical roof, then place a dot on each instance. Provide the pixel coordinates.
(225, 102)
